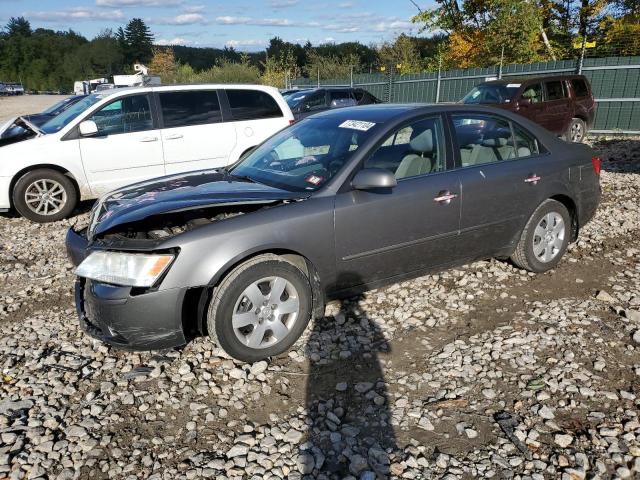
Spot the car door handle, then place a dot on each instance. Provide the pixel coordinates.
(445, 197)
(533, 179)
(174, 136)
(149, 139)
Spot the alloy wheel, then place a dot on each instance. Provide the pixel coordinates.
(265, 312)
(548, 237)
(576, 132)
(45, 197)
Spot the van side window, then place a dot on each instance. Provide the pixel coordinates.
(533, 93)
(526, 145)
(579, 87)
(252, 105)
(483, 139)
(554, 90)
(125, 115)
(197, 107)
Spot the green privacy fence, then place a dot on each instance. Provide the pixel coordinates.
(615, 82)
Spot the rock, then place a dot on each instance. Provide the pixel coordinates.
(237, 451)
(357, 463)
(546, 413)
(605, 297)
(293, 436)
(563, 440)
(259, 367)
(636, 337)
(305, 463)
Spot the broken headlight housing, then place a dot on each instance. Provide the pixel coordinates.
(129, 269)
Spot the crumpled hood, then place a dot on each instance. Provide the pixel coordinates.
(204, 188)
(18, 129)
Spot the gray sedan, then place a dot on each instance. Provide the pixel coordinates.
(339, 203)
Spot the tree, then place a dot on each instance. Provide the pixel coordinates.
(138, 41)
(18, 26)
(163, 63)
(480, 29)
(403, 54)
(330, 66)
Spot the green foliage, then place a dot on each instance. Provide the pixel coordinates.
(330, 66)
(137, 41)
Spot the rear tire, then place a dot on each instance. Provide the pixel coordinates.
(44, 195)
(544, 239)
(577, 131)
(248, 321)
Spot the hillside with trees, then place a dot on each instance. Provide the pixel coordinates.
(455, 34)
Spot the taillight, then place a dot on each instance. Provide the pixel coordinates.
(292, 121)
(596, 165)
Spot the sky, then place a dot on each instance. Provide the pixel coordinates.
(246, 25)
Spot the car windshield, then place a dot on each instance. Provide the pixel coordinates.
(294, 99)
(305, 156)
(491, 94)
(60, 121)
(57, 106)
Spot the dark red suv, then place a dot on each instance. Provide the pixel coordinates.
(563, 104)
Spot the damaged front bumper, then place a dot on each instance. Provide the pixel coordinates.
(119, 317)
(126, 317)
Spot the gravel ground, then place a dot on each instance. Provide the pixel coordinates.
(481, 371)
(25, 104)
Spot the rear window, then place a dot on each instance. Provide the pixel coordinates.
(181, 109)
(580, 88)
(554, 90)
(252, 105)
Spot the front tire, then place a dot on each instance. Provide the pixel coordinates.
(545, 238)
(260, 309)
(44, 195)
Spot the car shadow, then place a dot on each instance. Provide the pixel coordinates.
(349, 429)
(619, 155)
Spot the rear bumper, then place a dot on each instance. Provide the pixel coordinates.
(122, 316)
(589, 201)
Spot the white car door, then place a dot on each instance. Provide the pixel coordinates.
(256, 115)
(194, 136)
(126, 148)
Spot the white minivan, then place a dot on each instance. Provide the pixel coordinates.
(113, 138)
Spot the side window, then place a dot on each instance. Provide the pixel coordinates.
(533, 93)
(579, 87)
(125, 115)
(483, 139)
(252, 105)
(413, 150)
(526, 144)
(554, 90)
(198, 107)
(314, 102)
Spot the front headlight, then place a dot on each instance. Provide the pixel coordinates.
(130, 269)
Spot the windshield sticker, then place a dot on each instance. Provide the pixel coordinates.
(357, 125)
(513, 85)
(314, 179)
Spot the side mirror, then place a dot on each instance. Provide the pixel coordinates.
(373, 178)
(524, 102)
(88, 128)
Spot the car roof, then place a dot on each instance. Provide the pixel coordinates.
(384, 112)
(530, 79)
(186, 87)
